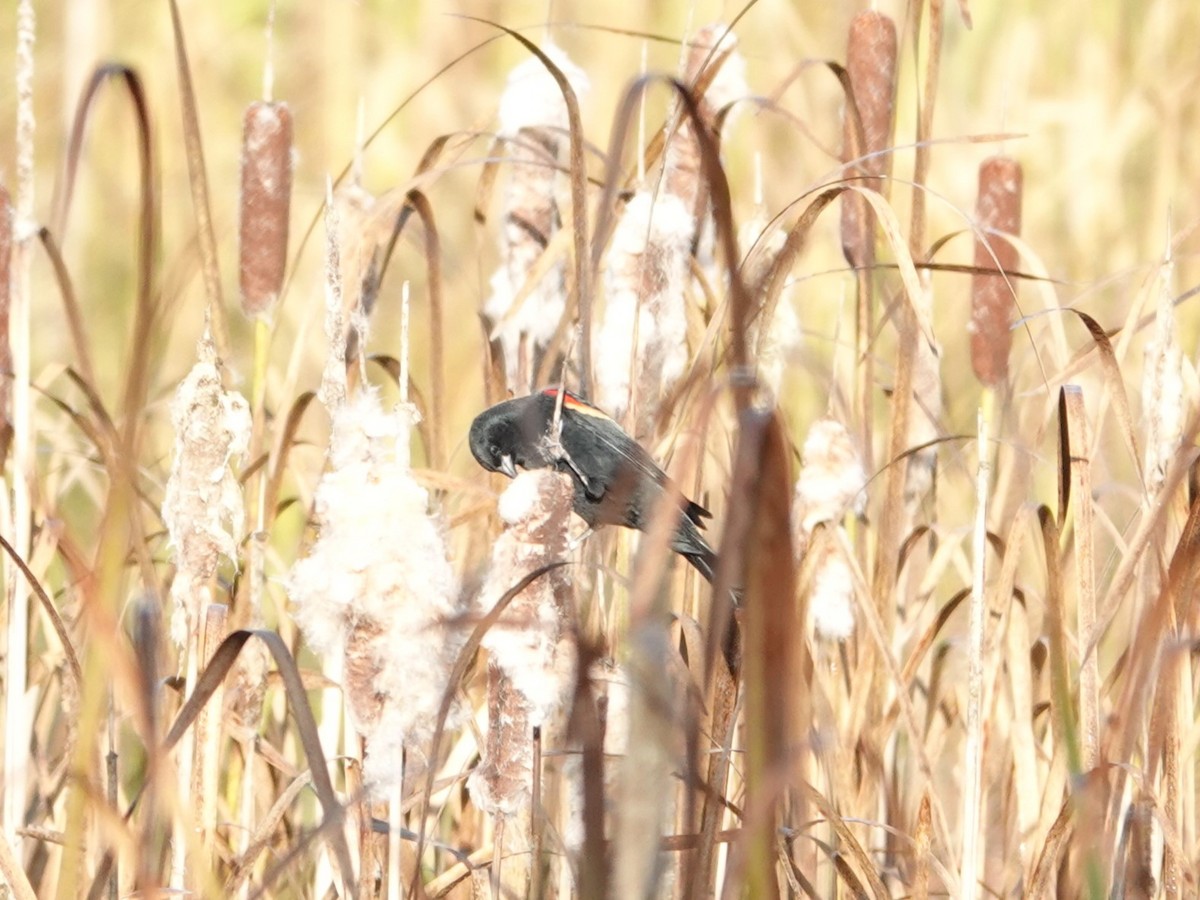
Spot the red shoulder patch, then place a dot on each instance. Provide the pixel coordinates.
(576, 404)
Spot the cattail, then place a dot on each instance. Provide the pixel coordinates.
(831, 478)
(377, 587)
(203, 502)
(831, 483)
(831, 597)
(645, 281)
(777, 340)
(7, 216)
(871, 65)
(359, 253)
(265, 204)
(533, 126)
(997, 209)
(532, 653)
(333, 378)
(716, 70)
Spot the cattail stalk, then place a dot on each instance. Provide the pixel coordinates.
(993, 296)
(1163, 400)
(871, 54)
(266, 198)
(531, 669)
(202, 507)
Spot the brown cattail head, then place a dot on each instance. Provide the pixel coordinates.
(997, 208)
(716, 73)
(7, 216)
(871, 65)
(266, 203)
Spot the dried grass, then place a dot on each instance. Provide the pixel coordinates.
(953, 656)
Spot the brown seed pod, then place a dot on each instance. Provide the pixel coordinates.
(266, 203)
(871, 65)
(997, 208)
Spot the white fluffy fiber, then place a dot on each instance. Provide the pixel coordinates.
(645, 280)
(532, 642)
(831, 476)
(532, 98)
(831, 602)
(203, 508)
(380, 560)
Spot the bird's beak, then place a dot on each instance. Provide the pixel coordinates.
(507, 467)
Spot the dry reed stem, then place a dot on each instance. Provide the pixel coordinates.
(17, 721)
(333, 379)
(645, 797)
(775, 652)
(1134, 862)
(871, 65)
(993, 297)
(1077, 467)
(266, 197)
(1163, 401)
(7, 228)
(206, 769)
(198, 182)
(922, 153)
(716, 73)
(973, 843)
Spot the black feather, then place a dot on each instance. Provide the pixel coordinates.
(616, 481)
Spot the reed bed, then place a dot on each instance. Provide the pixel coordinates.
(904, 295)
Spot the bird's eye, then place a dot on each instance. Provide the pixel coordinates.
(494, 452)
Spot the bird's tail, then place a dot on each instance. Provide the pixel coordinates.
(704, 560)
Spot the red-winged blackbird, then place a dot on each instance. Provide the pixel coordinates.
(616, 481)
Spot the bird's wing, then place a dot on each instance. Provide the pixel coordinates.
(607, 433)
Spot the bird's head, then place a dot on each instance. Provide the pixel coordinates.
(494, 440)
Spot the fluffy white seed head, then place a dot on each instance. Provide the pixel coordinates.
(377, 586)
(531, 669)
(533, 641)
(532, 98)
(644, 331)
(831, 478)
(777, 340)
(533, 119)
(203, 504)
(831, 601)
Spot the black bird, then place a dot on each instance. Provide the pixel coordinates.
(616, 481)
